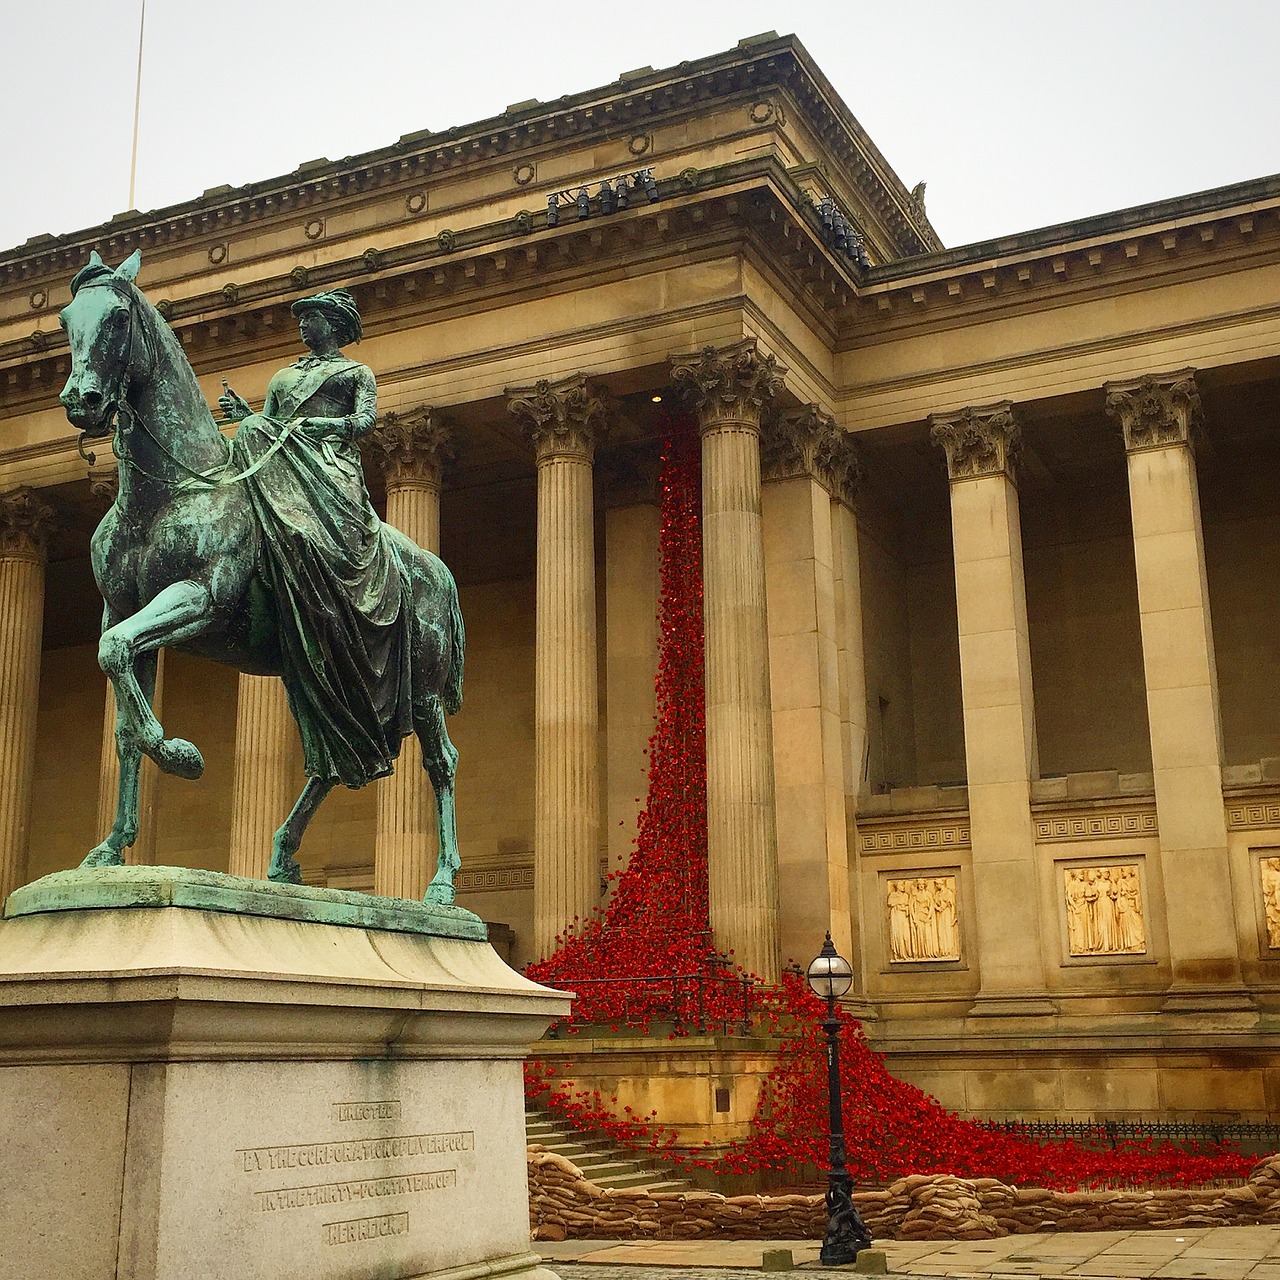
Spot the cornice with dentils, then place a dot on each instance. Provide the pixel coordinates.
(636, 97)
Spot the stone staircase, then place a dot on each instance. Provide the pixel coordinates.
(600, 1161)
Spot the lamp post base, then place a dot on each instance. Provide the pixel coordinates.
(847, 1234)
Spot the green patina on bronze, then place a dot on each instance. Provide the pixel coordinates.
(113, 887)
(264, 554)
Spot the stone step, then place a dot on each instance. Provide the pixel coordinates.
(600, 1161)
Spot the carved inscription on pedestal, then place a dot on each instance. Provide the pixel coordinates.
(356, 1173)
(1104, 911)
(924, 922)
(354, 1229)
(1270, 870)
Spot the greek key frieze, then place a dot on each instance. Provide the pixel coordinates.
(1253, 813)
(1096, 826)
(954, 835)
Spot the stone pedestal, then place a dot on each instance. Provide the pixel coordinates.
(215, 1078)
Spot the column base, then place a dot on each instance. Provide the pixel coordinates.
(861, 1008)
(245, 1096)
(1012, 1007)
(1200, 1000)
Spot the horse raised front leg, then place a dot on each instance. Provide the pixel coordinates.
(284, 867)
(124, 831)
(182, 610)
(440, 759)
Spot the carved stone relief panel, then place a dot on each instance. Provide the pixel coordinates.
(1104, 910)
(923, 917)
(1270, 871)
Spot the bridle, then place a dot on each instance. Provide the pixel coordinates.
(118, 405)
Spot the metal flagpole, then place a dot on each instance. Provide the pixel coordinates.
(137, 104)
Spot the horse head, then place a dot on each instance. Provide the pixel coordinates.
(99, 321)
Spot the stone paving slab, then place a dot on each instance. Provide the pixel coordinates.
(1211, 1253)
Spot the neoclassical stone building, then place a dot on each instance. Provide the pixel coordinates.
(991, 562)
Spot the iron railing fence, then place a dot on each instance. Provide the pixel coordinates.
(1249, 1135)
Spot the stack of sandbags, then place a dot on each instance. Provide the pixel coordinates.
(563, 1203)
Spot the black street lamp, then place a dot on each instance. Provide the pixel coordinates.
(829, 978)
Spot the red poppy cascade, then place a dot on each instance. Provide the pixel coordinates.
(655, 928)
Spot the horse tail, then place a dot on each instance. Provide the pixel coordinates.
(456, 641)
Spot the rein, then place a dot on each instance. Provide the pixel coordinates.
(214, 478)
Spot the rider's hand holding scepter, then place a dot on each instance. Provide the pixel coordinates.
(234, 406)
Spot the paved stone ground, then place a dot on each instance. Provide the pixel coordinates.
(612, 1271)
(1215, 1253)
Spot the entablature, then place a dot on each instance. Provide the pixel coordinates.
(1228, 229)
(763, 87)
(748, 208)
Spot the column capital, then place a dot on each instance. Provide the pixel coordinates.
(413, 447)
(565, 418)
(982, 441)
(628, 475)
(807, 442)
(733, 384)
(1156, 410)
(26, 522)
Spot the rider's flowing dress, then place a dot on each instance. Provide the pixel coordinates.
(342, 605)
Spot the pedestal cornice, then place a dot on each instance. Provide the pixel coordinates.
(978, 442)
(1156, 410)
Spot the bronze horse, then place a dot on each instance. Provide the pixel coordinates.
(177, 559)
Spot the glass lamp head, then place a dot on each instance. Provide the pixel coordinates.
(830, 974)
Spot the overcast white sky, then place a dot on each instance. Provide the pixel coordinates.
(1017, 114)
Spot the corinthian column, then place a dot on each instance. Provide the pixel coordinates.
(1158, 416)
(26, 521)
(266, 781)
(999, 713)
(411, 448)
(730, 387)
(804, 678)
(562, 420)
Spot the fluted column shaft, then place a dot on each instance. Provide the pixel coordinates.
(1158, 416)
(412, 448)
(265, 785)
(25, 521)
(999, 711)
(563, 420)
(730, 387)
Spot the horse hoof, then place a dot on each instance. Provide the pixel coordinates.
(180, 758)
(284, 869)
(439, 895)
(104, 856)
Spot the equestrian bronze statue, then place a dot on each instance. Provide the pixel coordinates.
(263, 553)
